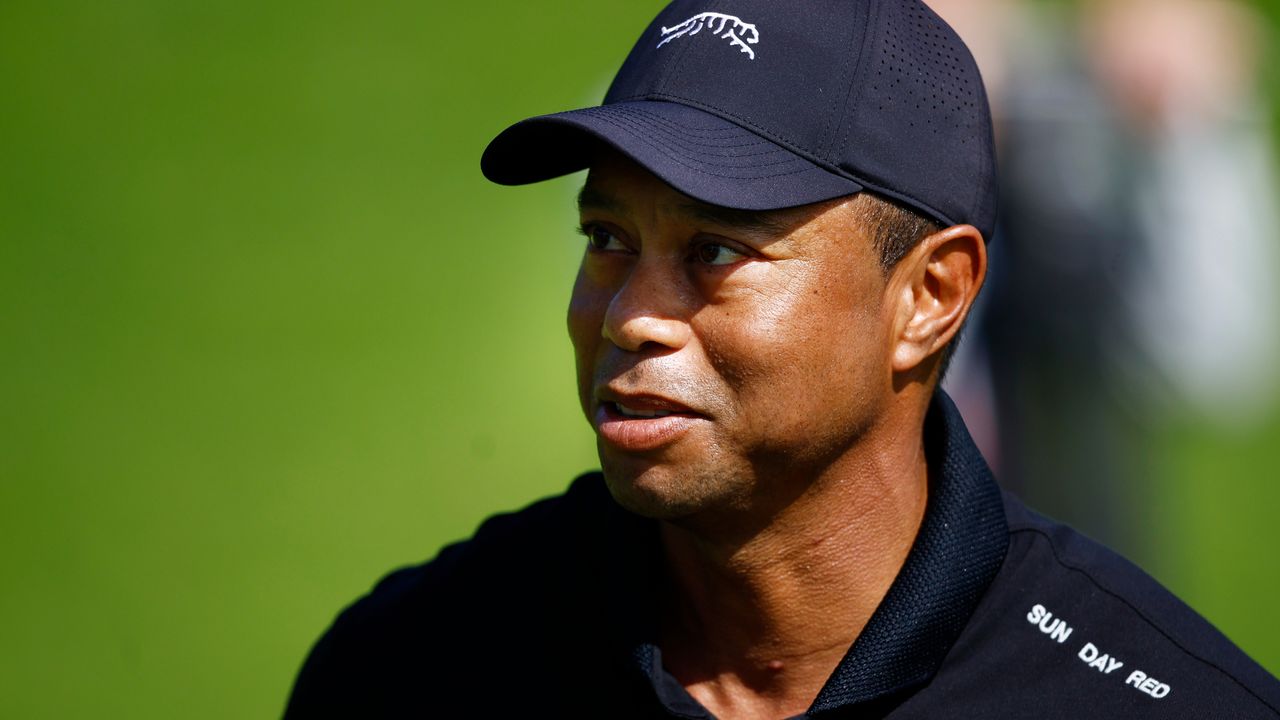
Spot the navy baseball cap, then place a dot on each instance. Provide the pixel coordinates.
(765, 104)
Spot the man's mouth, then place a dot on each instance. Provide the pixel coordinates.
(639, 423)
(639, 412)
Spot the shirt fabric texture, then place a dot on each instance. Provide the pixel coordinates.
(996, 613)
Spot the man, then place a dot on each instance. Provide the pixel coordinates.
(785, 216)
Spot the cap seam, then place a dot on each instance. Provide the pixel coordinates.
(674, 66)
(666, 150)
(673, 124)
(873, 16)
(678, 76)
(834, 119)
(630, 125)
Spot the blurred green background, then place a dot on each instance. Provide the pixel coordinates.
(266, 333)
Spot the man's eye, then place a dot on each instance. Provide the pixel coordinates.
(716, 254)
(601, 239)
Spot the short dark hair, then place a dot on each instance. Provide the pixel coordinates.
(896, 229)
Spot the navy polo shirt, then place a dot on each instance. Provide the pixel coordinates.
(996, 613)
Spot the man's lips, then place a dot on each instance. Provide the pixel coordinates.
(640, 422)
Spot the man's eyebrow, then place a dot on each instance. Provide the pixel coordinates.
(590, 198)
(762, 222)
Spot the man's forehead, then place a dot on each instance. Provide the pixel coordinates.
(764, 222)
(613, 182)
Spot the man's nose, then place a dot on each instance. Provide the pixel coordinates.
(648, 310)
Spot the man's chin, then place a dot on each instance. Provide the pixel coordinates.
(644, 499)
(655, 492)
(663, 491)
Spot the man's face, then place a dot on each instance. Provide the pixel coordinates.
(724, 358)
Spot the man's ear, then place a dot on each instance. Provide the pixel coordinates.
(935, 286)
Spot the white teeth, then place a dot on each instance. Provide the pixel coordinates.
(641, 413)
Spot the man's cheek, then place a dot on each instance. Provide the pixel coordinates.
(584, 322)
(593, 290)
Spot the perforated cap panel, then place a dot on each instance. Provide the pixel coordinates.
(919, 60)
(920, 129)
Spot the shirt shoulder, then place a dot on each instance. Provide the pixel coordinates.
(516, 584)
(1075, 630)
(1142, 600)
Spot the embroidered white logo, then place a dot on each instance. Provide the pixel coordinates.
(726, 26)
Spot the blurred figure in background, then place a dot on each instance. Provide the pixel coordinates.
(1138, 188)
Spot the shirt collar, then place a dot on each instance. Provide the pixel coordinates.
(959, 548)
(957, 553)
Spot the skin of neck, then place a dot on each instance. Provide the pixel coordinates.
(754, 625)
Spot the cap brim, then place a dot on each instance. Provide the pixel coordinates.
(700, 154)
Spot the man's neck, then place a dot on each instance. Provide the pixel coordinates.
(754, 628)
